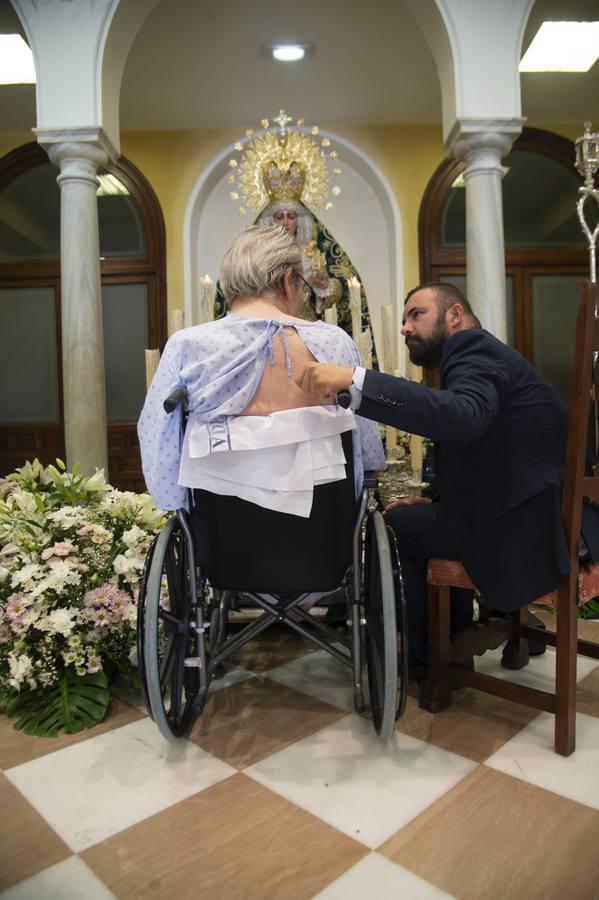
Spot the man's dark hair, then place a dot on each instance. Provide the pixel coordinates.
(446, 295)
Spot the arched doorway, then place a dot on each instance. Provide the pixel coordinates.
(545, 251)
(132, 264)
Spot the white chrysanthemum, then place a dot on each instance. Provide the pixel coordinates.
(27, 576)
(59, 621)
(21, 670)
(128, 564)
(68, 516)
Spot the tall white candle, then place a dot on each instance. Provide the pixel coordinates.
(388, 330)
(330, 314)
(177, 320)
(152, 360)
(416, 453)
(365, 348)
(355, 306)
(206, 299)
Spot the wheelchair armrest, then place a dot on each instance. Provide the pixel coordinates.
(370, 480)
(177, 398)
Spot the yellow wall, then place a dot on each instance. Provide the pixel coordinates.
(173, 161)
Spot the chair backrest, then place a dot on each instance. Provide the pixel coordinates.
(579, 486)
(242, 546)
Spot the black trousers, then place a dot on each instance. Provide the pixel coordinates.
(420, 537)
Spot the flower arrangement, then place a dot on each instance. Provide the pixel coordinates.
(72, 552)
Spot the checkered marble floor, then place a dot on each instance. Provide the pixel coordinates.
(281, 791)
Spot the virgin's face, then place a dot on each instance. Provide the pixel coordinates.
(287, 218)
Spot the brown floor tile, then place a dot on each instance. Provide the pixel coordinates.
(17, 748)
(27, 843)
(234, 840)
(493, 836)
(587, 694)
(277, 645)
(475, 725)
(250, 720)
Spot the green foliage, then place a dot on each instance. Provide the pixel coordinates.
(75, 703)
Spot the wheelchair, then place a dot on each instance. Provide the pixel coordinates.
(225, 546)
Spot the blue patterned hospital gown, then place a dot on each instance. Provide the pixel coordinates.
(220, 364)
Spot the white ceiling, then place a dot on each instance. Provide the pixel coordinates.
(199, 64)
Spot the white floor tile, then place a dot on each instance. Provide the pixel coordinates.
(539, 673)
(368, 789)
(91, 790)
(530, 756)
(320, 675)
(70, 879)
(391, 881)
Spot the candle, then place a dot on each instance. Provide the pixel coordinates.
(330, 314)
(416, 454)
(365, 348)
(177, 320)
(355, 306)
(388, 330)
(206, 299)
(152, 360)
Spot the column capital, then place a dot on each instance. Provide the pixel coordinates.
(77, 152)
(482, 143)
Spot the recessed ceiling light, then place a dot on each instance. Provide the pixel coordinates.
(288, 52)
(16, 60)
(562, 47)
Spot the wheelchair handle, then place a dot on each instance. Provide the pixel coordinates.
(177, 398)
(344, 399)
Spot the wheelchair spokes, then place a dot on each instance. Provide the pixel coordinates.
(171, 686)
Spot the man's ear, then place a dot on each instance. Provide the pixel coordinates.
(455, 317)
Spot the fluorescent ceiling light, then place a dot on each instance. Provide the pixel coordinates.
(288, 52)
(562, 47)
(16, 60)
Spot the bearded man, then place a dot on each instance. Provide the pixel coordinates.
(500, 433)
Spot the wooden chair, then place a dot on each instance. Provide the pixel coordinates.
(579, 586)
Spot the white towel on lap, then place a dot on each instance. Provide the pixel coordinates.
(274, 461)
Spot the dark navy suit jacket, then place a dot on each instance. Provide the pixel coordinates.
(501, 431)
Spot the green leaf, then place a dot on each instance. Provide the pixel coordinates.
(76, 703)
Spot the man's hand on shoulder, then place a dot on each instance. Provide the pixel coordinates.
(324, 382)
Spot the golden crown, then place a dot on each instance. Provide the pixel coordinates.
(283, 164)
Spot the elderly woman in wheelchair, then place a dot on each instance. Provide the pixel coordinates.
(270, 495)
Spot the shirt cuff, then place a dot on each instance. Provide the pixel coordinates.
(356, 387)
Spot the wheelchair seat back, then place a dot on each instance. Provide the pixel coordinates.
(243, 547)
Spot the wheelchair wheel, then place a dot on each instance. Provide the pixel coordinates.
(381, 626)
(165, 637)
(401, 613)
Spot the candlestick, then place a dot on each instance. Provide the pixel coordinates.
(330, 314)
(152, 360)
(206, 299)
(355, 306)
(177, 321)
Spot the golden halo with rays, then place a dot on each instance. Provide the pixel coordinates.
(300, 163)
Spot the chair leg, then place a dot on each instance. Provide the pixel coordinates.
(565, 668)
(436, 691)
(515, 653)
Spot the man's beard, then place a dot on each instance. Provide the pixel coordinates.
(427, 352)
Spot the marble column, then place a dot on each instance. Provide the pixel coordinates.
(81, 303)
(482, 145)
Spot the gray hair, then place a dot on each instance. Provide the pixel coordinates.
(256, 260)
